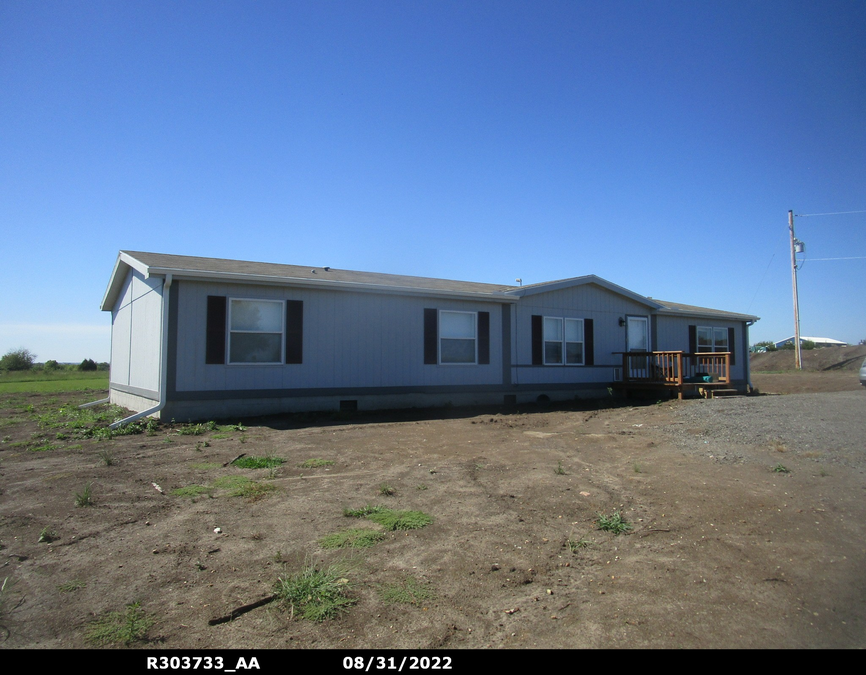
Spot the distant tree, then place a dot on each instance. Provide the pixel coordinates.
(103, 366)
(51, 364)
(766, 344)
(807, 344)
(787, 345)
(87, 364)
(17, 359)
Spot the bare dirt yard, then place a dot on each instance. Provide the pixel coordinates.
(743, 525)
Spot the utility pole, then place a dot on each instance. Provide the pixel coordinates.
(798, 362)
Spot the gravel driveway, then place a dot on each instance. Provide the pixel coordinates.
(830, 427)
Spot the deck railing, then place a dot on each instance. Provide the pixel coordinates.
(675, 368)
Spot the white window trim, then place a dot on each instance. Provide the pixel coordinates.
(565, 342)
(712, 330)
(439, 338)
(230, 331)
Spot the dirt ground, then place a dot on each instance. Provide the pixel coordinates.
(722, 554)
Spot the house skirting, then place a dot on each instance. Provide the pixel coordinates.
(238, 404)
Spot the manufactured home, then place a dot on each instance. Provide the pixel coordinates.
(196, 338)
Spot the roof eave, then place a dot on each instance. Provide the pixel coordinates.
(327, 284)
(710, 314)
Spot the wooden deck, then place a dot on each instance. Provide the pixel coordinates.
(677, 371)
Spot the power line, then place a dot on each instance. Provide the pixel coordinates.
(837, 213)
(858, 257)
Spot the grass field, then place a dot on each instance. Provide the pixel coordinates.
(52, 381)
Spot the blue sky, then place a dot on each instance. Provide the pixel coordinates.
(658, 144)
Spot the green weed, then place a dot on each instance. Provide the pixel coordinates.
(106, 456)
(192, 491)
(362, 512)
(575, 545)
(400, 520)
(781, 468)
(559, 471)
(196, 429)
(126, 627)
(71, 586)
(386, 490)
(613, 523)
(241, 486)
(258, 462)
(46, 536)
(85, 497)
(353, 538)
(316, 595)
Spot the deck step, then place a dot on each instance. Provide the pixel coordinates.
(723, 392)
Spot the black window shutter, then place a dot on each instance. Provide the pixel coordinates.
(431, 336)
(484, 338)
(215, 346)
(588, 343)
(294, 331)
(693, 339)
(537, 340)
(731, 347)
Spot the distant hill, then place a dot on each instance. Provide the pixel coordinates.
(827, 358)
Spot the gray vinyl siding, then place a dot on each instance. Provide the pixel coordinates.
(673, 335)
(350, 340)
(586, 301)
(136, 333)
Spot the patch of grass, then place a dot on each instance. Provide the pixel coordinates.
(615, 522)
(409, 591)
(192, 491)
(781, 468)
(241, 486)
(421, 486)
(315, 463)
(71, 586)
(46, 536)
(353, 538)
(251, 462)
(362, 512)
(196, 429)
(126, 627)
(386, 490)
(314, 594)
(43, 447)
(637, 468)
(559, 471)
(575, 545)
(400, 520)
(106, 456)
(85, 497)
(38, 381)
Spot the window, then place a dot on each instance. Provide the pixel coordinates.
(255, 331)
(559, 341)
(712, 339)
(563, 341)
(453, 337)
(457, 337)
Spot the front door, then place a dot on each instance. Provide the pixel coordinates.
(637, 334)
